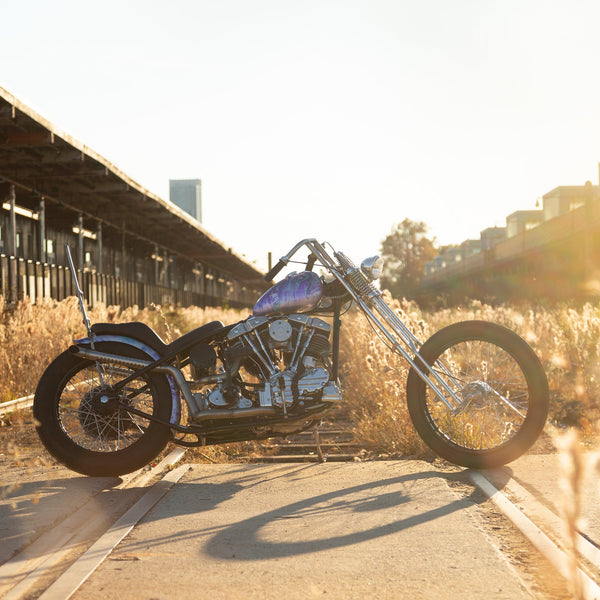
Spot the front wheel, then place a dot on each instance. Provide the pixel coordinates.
(501, 388)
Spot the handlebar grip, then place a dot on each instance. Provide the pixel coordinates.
(269, 276)
(310, 263)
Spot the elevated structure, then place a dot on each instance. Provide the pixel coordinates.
(54, 190)
(552, 253)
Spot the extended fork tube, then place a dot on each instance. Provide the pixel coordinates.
(397, 326)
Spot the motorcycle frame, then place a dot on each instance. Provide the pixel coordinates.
(167, 365)
(370, 299)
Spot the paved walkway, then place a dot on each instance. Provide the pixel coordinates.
(336, 531)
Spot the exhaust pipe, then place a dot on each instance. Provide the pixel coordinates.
(196, 413)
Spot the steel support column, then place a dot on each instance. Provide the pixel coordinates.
(123, 259)
(100, 267)
(42, 230)
(13, 222)
(13, 245)
(166, 281)
(156, 266)
(80, 242)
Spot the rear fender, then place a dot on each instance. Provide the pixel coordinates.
(152, 355)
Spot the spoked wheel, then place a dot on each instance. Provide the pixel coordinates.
(502, 394)
(84, 422)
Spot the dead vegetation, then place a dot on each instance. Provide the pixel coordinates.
(566, 339)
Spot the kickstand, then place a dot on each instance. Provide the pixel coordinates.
(317, 435)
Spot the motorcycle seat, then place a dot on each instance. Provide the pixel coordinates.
(147, 335)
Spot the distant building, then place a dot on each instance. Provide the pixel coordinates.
(491, 236)
(523, 220)
(429, 268)
(469, 247)
(550, 253)
(449, 256)
(187, 195)
(565, 198)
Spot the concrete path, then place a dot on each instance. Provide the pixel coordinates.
(337, 531)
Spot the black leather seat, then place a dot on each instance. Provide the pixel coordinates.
(147, 335)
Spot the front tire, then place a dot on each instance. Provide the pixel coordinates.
(502, 390)
(79, 420)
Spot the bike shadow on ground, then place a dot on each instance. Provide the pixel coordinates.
(251, 538)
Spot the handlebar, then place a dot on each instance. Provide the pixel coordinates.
(317, 252)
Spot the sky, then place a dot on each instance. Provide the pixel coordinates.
(333, 119)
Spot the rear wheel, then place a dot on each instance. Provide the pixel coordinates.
(85, 424)
(502, 395)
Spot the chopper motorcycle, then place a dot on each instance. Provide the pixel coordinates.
(476, 392)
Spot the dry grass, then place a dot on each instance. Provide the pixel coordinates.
(566, 339)
(31, 335)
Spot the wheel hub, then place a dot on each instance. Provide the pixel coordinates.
(475, 395)
(101, 400)
(99, 411)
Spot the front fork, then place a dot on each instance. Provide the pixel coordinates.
(337, 324)
(432, 378)
(372, 297)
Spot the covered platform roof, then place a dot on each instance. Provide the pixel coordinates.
(44, 162)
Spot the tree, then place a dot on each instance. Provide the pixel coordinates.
(405, 251)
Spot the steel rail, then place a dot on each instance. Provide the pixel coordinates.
(14, 405)
(38, 561)
(558, 558)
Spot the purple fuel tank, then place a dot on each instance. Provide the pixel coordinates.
(298, 292)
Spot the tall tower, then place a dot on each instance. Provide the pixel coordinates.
(187, 194)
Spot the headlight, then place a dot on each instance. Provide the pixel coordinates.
(372, 267)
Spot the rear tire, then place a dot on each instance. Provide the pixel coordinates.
(503, 391)
(80, 424)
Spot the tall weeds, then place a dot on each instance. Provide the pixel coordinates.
(566, 339)
(31, 335)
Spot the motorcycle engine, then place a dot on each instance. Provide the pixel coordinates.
(288, 356)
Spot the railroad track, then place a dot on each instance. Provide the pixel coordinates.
(332, 441)
(66, 548)
(14, 405)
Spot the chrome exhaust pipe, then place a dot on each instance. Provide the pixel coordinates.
(196, 413)
(137, 363)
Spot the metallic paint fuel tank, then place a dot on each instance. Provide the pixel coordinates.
(298, 292)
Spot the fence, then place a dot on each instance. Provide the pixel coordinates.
(20, 278)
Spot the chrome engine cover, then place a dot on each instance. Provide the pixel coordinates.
(290, 354)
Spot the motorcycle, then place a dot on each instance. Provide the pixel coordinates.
(477, 393)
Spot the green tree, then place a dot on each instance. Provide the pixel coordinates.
(405, 251)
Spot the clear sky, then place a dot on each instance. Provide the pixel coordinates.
(332, 119)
